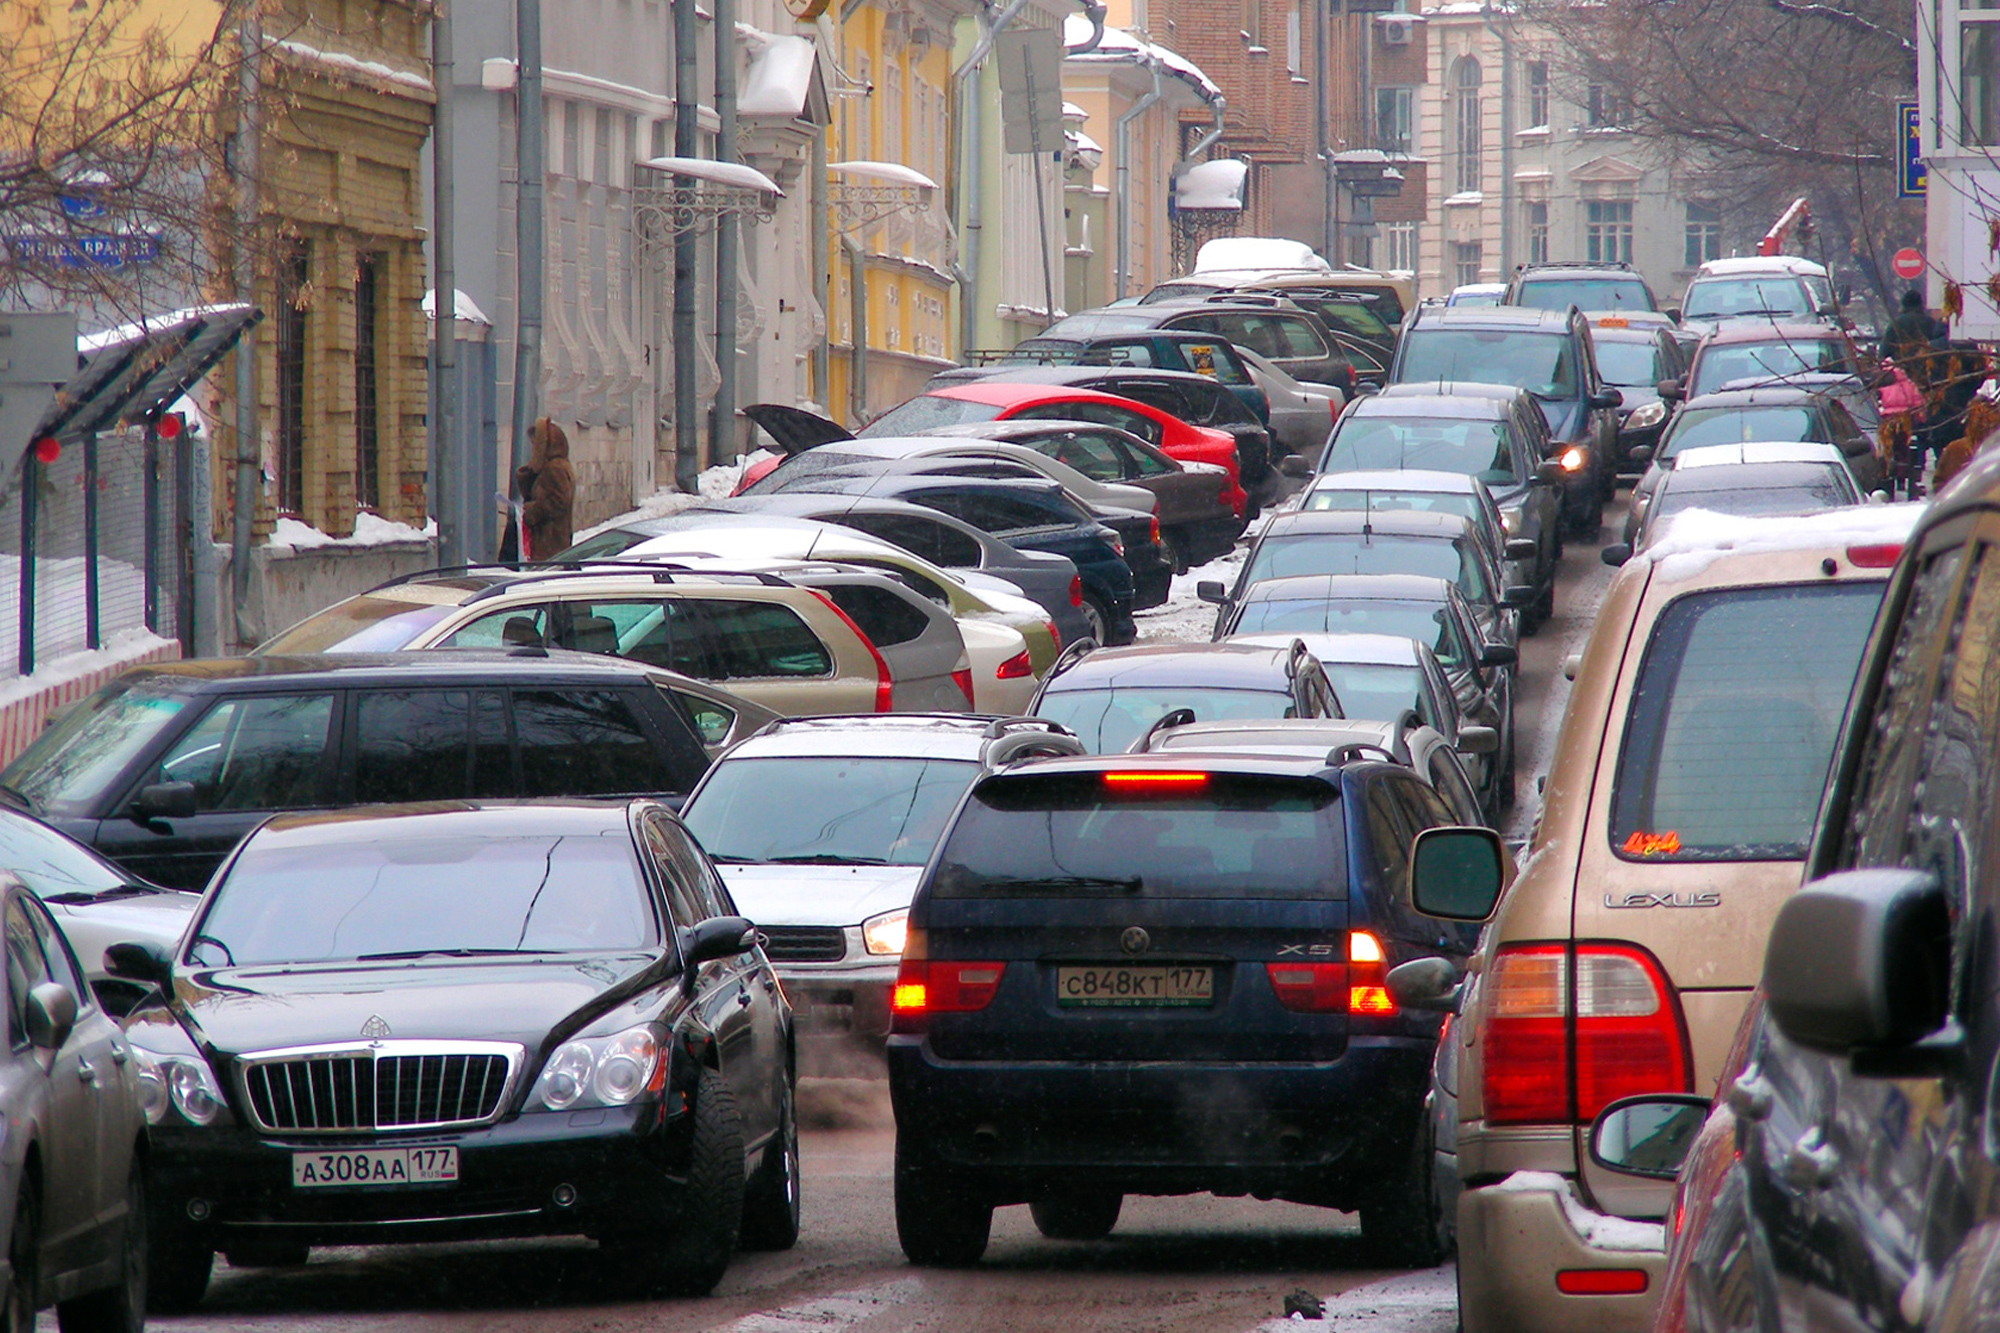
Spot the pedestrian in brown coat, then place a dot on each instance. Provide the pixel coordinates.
(548, 490)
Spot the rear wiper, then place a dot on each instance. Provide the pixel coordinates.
(828, 859)
(444, 953)
(1099, 883)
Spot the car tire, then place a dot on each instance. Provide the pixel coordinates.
(694, 1254)
(120, 1308)
(24, 1252)
(177, 1267)
(1401, 1224)
(1584, 522)
(1077, 1214)
(1172, 551)
(941, 1221)
(1545, 605)
(771, 1201)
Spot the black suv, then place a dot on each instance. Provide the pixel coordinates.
(1591, 287)
(166, 768)
(1168, 974)
(1546, 352)
(1111, 698)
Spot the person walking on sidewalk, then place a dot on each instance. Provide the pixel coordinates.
(547, 486)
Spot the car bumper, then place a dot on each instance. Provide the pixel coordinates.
(1315, 1132)
(1206, 539)
(1517, 1238)
(625, 1167)
(841, 1016)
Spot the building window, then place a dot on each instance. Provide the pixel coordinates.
(1292, 41)
(1538, 93)
(1979, 79)
(1361, 250)
(289, 365)
(1465, 258)
(1607, 231)
(1399, 247)
(1703, 237)
(1538, 232)
(368, 274)
(1466, 122)
(1604, 108)
(1395, 116)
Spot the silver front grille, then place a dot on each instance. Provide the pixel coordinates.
(379, 1087)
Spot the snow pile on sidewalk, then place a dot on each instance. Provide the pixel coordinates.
(1421, 1302)
(713, 484)
(369, 530)
(1183, 617)
(121, 648)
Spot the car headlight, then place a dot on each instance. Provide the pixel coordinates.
(886, 933)
(1573, 458)
(1511, 518)
(178, 1082)
(602, 1071)
(1646, 414)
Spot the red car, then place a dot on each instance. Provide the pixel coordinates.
(986, 400)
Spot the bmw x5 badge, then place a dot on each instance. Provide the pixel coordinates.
(1135, 940)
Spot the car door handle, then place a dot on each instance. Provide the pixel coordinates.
(86, 1072)
(1750, 1097)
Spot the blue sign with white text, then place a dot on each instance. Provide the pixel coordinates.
(1912, 179)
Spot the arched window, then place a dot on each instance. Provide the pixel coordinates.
(1465, 77)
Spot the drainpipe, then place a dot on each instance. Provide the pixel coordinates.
(822, 351)
(1207, 141)
(530, 143)
(687, 94)
(249, 463)
(1124, 188)
(857, 306)
(449, 457)
(1506, 143)
(722, 415)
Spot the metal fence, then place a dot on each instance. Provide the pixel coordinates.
(94, 541)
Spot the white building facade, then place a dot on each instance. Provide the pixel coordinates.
(1958, 104)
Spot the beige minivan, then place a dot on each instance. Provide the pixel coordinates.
(1687, 776)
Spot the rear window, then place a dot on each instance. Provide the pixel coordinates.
(1472, 448)
(1323, 553)
(1733, 720)
(1738, 425)
(1766, 360)
(1107, 721)
(1426, 622)
(1584, 294)
(926, 412)
(1791, 490)
(833, 809)
(1077, 835)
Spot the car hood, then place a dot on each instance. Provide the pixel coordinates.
(154, 918)
(819, 895)
(437, 999)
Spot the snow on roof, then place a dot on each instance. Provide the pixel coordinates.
(1724, 455)
(1763, 264)
(1118, 44)
(1080, 142)
(716, 173)
(1698, 536)
(889, 173)
(1071, 111)
(1218, 184)
(462, 307)
(352, 65)
(124, 333)
(779, 78)
(1266, 252)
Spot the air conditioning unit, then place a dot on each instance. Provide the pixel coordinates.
(1397, 28)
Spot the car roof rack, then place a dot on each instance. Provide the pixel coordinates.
(514, 574)
(1014, 740)
(1351, 750)
(1070, 656)
(1173, 717)
(1613, 265)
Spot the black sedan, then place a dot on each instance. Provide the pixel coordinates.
(463, 1020)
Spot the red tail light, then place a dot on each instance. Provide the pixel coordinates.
(1309, 988)
(1617, 1009)
(1018, 667)
(885, 684)
(1153, 532)
(926, 986)
(1601, 1281)
(1155, 780)
(1117, 544)
(1880, 556)
(963, 679)
(1076, 590)
(1367, 966)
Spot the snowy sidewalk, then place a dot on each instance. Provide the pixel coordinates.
(1420, 1302)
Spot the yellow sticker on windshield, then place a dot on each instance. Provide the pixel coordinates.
(1200, 358)
(1652, 844)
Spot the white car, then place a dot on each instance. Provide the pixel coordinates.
(821, 827)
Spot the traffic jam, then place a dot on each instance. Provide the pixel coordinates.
(1510, 803)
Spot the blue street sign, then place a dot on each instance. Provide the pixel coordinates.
(117, 251)
(1912, 179)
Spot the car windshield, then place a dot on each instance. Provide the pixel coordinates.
(1722, 363)
(926, 413)
(1475, 448)
(1541, 363)
(363, 625)
(405, 896)
(1802, 489)
(1380, 693)
(1584, 294)
(867, 811)
(1108, 720)
(1710, 770)
(1426, 622)
(69, 766)
(1698, 426)
(1735, 298)
(1089, 835)
(1630, 365)
(1352, 553)
(50, 864)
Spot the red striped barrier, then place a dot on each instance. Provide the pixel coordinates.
(21, 720)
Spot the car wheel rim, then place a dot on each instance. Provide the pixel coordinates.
(1093, 621)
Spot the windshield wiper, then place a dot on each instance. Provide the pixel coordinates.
(77, 897)
(828, 859)
(444, 953)
(17, 796)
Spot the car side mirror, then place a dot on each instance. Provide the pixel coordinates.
(1616, 554)
(1498, 655)
(1641, 454)
(1366, 388)
(146, 962)
(165, 800)
(1549, 472)
(1647, 1136)
(1859, 965)
(1211, 590)
(1519, 595)
(1295, 466)
(1671, 390)
(1478, 740)
(1878, 497)
(1673, 312)
(1456, 873)
(49, 1016)
(1520, 548)
(1425, 984)
(717, 937)
(1608, 398)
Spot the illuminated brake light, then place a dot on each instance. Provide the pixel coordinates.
(1367, 994)
(1371, 1000)
(1166, 780)
(1309, 988)
(1076, 590)
(1153, 533)
(1573, 459)
(1880, 556)
(926, 986)
(909, 997)
(1017, 667)
(1601, 1281)
(1363, 947)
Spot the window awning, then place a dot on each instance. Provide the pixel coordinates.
(135, 370)
(1216, 186)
